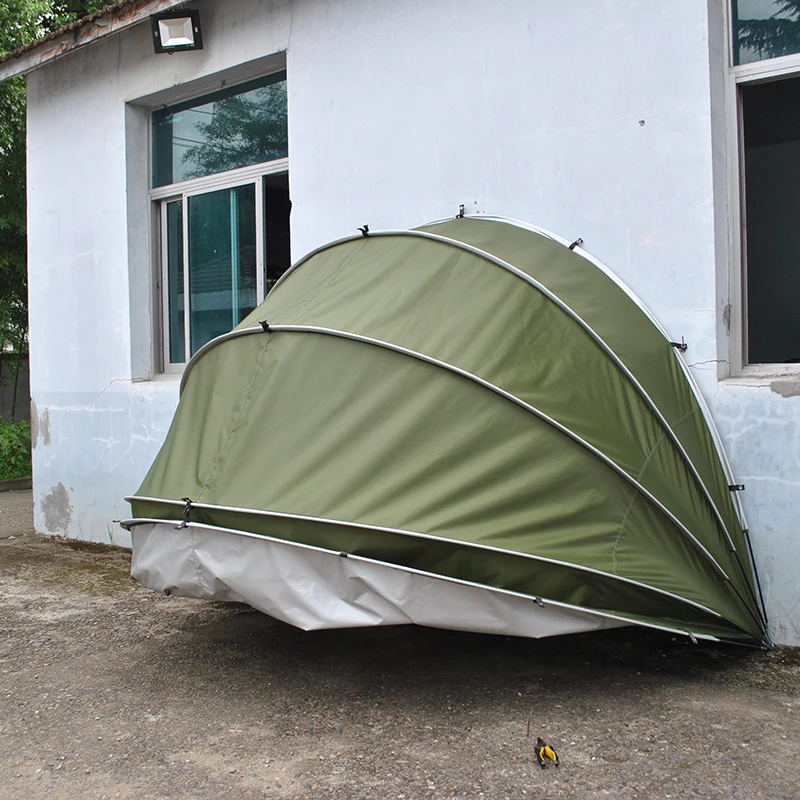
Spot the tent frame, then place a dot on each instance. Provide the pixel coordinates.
(131, 523)
(419, 535)
(753, 590)
(638, 487)
(599, 341)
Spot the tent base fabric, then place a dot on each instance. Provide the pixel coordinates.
(316, 589)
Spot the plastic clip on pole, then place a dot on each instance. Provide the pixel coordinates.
(681, 345)
(576, 243)
(264, 325)
(187, 510)
(365, 231)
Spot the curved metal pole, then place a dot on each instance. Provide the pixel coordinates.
(698, 395)
(497, 390)
(567, 310)
(508, 592)
(417, 535)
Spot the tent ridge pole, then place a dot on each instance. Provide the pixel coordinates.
(640, 390)
(522, 404)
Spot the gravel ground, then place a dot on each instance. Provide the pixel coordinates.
(108, 690)
(16, 513)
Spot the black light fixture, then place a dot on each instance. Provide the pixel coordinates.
(175, 31)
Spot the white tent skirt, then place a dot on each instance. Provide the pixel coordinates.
(314, 589)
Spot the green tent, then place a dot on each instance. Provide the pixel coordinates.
(471, 425)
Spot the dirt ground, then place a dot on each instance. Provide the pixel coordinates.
(16, 513)
(107, 691)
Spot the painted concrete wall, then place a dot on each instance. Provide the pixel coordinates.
(599, 120)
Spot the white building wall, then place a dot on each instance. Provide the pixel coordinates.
(590, 119)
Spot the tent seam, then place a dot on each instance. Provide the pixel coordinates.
(686, 416)
(323, 286)
(245, 400)
(650, 456)
(621, 530)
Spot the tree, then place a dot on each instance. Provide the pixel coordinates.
(778, 35)
(244, 129)
(21, 21)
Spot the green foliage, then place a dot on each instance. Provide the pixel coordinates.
(13, 274)
(15, 450)
(61, 12)
(20, 21)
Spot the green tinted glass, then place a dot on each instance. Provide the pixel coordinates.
(177, 339)
(222, 261)
(226, 130)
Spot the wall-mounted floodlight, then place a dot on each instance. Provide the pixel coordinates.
(176, 30)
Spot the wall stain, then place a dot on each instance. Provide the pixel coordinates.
(57, 509)
(44, 427)
(726, 318)
(34, 425)
(40, 425)
(786, 387)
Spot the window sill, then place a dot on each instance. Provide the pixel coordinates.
(780, 378)
(165, 381)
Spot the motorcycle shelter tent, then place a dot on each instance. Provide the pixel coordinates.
(471, 425)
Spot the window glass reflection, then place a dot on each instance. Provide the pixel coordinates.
(220, 132)
(764, 29)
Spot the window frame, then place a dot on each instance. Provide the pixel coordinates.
(738, 75)
(227, 82)
(161, 196)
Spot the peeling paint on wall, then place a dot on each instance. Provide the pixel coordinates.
(34, 425)
(40, 425)
(786, 387)
(56, 509)
(44, 427)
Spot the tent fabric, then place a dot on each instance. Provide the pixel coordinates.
(474, 400)
(314, 588)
